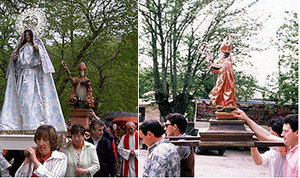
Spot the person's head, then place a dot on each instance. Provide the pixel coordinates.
(96, 128)
(46, 139)
(130, 127)
(77, 134)
(275, 125)
(81, 73)
(175, 124)
(82, 69)
(150, 131)
(290, 130)
(28, 36)
(223, 55)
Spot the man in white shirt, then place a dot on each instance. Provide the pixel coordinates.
(128, 149)
(271, 159)
(290, 139)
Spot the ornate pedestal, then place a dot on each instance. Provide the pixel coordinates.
(80, 116)
(226, 131)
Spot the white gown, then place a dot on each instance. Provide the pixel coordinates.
(31, 99)
(125, 154)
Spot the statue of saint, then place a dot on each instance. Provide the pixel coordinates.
(81, 95)
(223, 94)
(31, 99)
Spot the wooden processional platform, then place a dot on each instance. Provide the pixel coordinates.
(224, 131)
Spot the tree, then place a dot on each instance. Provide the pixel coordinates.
(284, 85)
(103, 34)
(172, 32)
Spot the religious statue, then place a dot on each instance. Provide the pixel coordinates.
(31, 99)
(81, 95)
(223, 94)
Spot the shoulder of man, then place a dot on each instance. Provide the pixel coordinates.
(165, 148)
(89, 145)
(105, 139)
(90, 140)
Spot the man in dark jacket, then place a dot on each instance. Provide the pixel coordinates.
(175, 126)
(18, 156)
(104, 150)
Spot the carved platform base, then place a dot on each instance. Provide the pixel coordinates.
(80, 116)
(225, 115)
(226, 132)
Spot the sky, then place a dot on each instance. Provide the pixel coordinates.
(266, 62)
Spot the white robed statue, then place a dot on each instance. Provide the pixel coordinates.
(31, 99)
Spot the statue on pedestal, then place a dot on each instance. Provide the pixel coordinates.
(223, 95)
(225, 129)
(81, 95)
(31, 99)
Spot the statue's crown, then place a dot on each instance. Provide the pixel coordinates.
(82, 67)
(226, 45)
(33, 19)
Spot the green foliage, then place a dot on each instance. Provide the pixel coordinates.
(284, 85)
(103, 34)
(146, 83)
(245, 86)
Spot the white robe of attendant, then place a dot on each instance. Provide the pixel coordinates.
(125, 154)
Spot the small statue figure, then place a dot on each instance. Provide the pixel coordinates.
(223, 94)
(81, 95)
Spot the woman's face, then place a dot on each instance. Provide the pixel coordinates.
(27, 36)
(43, 145)
(77, 139)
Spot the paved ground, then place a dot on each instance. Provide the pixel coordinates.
(233, 163)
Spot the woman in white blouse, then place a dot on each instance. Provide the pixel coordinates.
(44, 160)
(82, 156)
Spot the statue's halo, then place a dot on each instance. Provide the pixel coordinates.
(33, 18)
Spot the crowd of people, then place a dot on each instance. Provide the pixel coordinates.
(167, 160)
(106, 152)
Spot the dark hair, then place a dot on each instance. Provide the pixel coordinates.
(179, 120)
(77, 128)
(152, 126)
(94, 123)
(23, 40)
(226, 54)
(276, 124)
(49, 132)
(292, 119)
